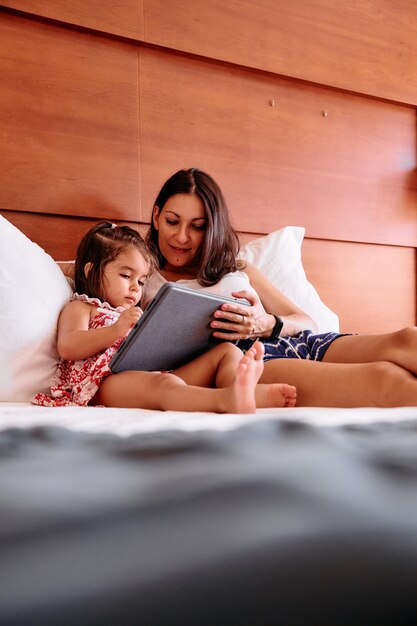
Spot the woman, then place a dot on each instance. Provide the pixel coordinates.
(193, 242)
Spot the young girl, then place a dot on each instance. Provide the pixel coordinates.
(111, 268)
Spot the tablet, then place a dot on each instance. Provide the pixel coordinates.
(174, 329)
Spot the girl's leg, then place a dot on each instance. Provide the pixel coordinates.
(399, 347)
(151, 390)
(217, 367)
(379, 384)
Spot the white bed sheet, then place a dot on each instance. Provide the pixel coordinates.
(125, 422)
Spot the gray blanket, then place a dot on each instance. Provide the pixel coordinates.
(274, 523)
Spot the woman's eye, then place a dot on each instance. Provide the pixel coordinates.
(199, 226)
(172, 222)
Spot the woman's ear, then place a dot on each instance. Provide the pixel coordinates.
(87, 268)
(155, 216)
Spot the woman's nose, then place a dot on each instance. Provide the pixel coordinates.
(182, 234)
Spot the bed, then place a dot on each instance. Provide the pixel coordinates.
(123, 516)
(295, 516)
(128, 515)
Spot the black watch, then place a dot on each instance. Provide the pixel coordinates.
(275, 333)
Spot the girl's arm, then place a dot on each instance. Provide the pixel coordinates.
(258, 320)
(76, 341)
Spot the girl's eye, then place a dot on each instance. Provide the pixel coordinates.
(125, 276)
(141, 283)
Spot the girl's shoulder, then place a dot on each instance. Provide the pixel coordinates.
(95, 302)
(77, 310)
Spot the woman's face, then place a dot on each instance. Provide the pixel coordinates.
(181, 227)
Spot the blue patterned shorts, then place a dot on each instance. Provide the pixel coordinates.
(305, 345)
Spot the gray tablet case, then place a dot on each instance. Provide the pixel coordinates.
(174, 328)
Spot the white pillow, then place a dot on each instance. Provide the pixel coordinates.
(278, 256)
(33, 291)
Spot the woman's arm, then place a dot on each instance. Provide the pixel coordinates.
(295, 320)
(258, 320)
(67, 268)
(76, 341)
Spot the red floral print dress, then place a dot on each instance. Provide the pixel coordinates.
(76, 382)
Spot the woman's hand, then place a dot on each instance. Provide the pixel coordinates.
(127, 320)
(237, 321)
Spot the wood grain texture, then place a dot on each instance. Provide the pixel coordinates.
(362, 46)
(58, 235)
(371, 287)
(342, 166)
(124, 17)
(68, 121)
(365, 46)
(91, 127)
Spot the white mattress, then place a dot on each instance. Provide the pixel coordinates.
(125, 422)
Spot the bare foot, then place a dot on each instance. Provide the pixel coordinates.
(275, 395)
(241, 393)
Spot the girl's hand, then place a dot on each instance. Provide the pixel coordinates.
(236, 321)
(127, 320)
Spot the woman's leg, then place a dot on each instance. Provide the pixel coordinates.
(379, 384)
(164, 391)
(399, 347)
(217, 367)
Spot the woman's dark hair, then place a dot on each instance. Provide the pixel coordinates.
(221, 245)
(101, 245)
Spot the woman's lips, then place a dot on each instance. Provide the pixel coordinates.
(180, 250)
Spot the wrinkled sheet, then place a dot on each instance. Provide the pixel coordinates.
(125, 422)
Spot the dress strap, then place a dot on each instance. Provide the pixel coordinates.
(96, 302)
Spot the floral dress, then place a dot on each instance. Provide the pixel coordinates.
(76, 382)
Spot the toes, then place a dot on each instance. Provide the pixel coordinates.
(251, 353)
(259, 350)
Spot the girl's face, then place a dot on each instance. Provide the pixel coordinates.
(123, 278)
(181, 227)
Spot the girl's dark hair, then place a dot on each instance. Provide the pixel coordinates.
(101, 245)
(221, 245)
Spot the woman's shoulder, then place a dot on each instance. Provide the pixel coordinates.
(244, 266)
(253, 273)
(233, 281)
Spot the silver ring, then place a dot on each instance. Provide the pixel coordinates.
(243, 318)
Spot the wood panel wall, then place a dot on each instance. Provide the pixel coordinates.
(304, 112)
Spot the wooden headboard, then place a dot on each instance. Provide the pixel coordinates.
(305, 117)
